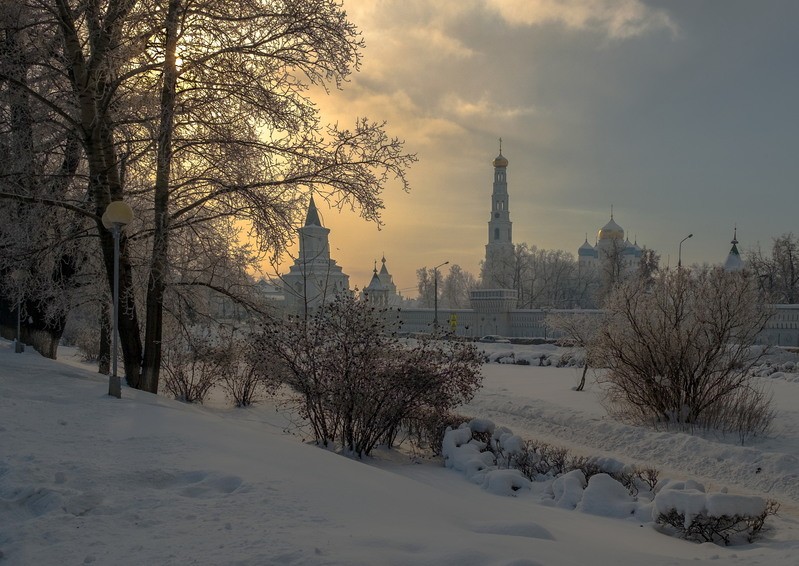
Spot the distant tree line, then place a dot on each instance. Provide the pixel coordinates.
(555, 279)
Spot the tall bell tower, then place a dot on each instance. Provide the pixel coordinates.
(498, 265)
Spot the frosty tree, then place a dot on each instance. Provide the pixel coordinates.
(778, 273)
(678, 349)
(196, 113)
(354, 381)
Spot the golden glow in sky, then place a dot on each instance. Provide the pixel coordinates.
(682, 119)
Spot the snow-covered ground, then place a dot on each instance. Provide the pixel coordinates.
(86, 478)
(538, 402)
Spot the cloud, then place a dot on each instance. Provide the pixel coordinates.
(484, 107)
(439, 44)
(619, 19)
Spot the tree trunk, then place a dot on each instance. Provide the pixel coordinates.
(104, 362)
(90, 82)
(151, 364)
(582, 379)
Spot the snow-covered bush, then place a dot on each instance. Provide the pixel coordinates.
(605, 496)
(505, 482)
(567, 490)
(539, 459)
(425, 429)
(677, 351)
(711, 517)
(356, 381)
(507, 464)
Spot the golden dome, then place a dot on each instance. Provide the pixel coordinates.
(611, 231)
(500, 161)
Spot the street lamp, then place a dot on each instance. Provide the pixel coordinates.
(117, 214)
(679, 256)
(435, 294)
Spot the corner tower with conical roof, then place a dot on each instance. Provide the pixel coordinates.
(498, 265)
(381, 289)
(734, 261)
(315, 278)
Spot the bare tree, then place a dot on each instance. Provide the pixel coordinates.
(611, 262)
(779, 273)
(354, 381)
(40, 164)
(581, 330)
(455, 288)
(212, 98)
(425, 286)
(678, 350)
(505, 268)
(648, 264)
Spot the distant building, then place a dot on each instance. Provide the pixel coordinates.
(734, 261)
(610, 244)
(381, 289)
(315, 278)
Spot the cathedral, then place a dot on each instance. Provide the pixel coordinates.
(610, 244)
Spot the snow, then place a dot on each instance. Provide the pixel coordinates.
(89, 479)
(567, 490)
(721, 504)
(505, 482)
(606, 497)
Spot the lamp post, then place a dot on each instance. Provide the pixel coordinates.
(679, 255)
(435, 294)
(115, 217)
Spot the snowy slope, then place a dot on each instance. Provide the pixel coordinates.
(85, 478)
(539, 403)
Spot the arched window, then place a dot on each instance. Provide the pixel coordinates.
(496, 233)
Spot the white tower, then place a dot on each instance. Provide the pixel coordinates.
(314, 279)
(498, 266)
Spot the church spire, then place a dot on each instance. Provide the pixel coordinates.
(734, 261)
(312, 218)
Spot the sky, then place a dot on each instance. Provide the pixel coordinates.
(89, 479)
(682, 115)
